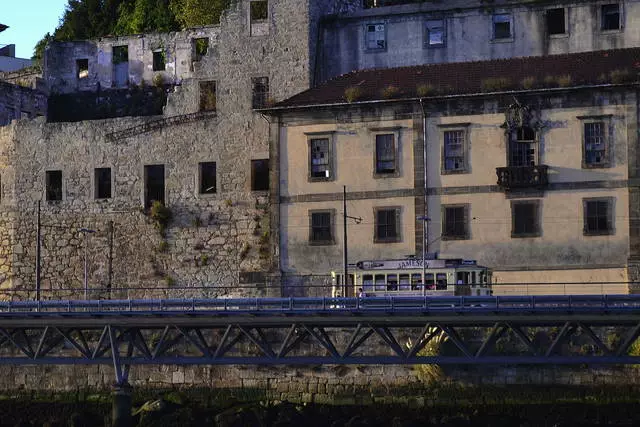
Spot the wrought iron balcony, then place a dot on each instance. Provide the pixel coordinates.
(512, 177)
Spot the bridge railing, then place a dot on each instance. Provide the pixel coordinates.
(328, 304)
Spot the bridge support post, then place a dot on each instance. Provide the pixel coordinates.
(121, 406)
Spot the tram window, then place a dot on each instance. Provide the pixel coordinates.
(405, 282)
(367, 282)
(473, 278)
(430, 282)
(416, 281)
(441, 281)
(478, 292)
(380, 282)
(392, 282)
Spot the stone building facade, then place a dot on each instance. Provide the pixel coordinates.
(206, 157)
(533, 177)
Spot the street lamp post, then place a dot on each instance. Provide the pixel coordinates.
(84, 232)
(424, 220)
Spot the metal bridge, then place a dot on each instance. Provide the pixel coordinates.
(586, 329)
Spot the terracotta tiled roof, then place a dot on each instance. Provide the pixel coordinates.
(473, 77)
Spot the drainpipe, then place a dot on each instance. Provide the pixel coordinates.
(425, 244)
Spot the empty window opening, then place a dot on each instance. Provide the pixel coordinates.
(260, 92)
(200, 48)
(208, 96)
(435, 33)
(598, 218)
(595, 147)
(455, 222)
(260, 175)
(556, 23)
(385, 154)
(54, 185)
(259, 17)
(159, 58)
(454, 151)
(321, 229)
(320, 158)
(153, 185)
(102, 178)
(525, 219)
(376, 36)
(502, 26)
(207, 178)
(610, 17)
(82, 68)
(387, 225)
(120, 65)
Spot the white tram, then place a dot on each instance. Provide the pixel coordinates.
(403, 277)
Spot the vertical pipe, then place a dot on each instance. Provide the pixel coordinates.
(86, 286)
(110, 266)
(425, 231)
(345, 280)
(38, 255)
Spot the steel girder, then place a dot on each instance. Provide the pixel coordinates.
(356, 338)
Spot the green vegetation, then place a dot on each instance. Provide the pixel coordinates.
(161, 215)
(89, 19)
(352, 93)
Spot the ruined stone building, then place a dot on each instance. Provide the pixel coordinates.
(182, 118)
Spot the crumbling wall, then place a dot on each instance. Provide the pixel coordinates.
(18, 102)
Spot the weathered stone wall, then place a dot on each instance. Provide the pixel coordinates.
(18, 102)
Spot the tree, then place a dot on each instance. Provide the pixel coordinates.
(195, 13)
(144, 16)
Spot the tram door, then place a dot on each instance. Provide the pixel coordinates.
(349, 289)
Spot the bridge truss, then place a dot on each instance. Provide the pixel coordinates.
(320, 331)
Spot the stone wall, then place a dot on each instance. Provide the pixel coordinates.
(18, 102)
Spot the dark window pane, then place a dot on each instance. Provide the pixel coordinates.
(208, 178)
(260, 175)
(385, 154)
(555, 21)
(54, 185)
(103, 183)
(525, 218)
(594, 143)
(259, 10)
(598, 217)
(82, 68)
(386, 225)
(321, 227)
(320, 158)
(454, 150)
(153, 184)
(260, 95)
(610, 17)
(455, 222)
(158, 60)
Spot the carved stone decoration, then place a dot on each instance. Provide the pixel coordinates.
(519, 115)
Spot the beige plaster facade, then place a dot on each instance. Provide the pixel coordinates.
(561, 256)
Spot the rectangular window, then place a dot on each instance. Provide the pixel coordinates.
(502, 26)
(120, 54)
(259, 18)
(208, 99)
(453, 156)
(454, 222)
(610, 17)
(320, 159)
(102, 180)
(153, 185)
(200, 48)
(375, 37)
(207, 177)
(595, 144)
(525, 218)
(54, 185)
(158, 60)
(556, 23)
(435, 33)
(386, 162)
(387, 227)
(82, 68)
(598, 217)
(321, 228)
(260, 175)
(260, 92)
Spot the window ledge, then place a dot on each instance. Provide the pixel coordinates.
(611, 32)
(395, 240)
(559, 36)
(319, 179)
(525, 235)
(322, 243)
(465, 237)
(265, 192)
(595, 166)
(599, 233)
(207, 195)
(505, 40)
(435, 46)
(386, 175)
(377, 50)
(453, 172)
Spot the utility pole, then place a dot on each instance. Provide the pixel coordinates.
(345, 281)
(425, 245)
